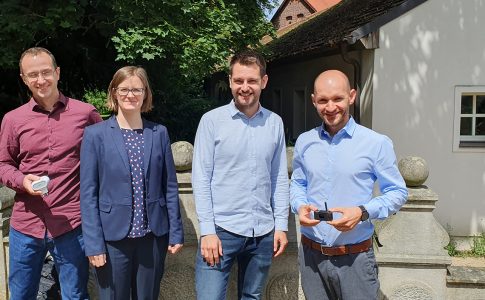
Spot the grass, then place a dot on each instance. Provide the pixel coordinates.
(477, 247)
(451, 248)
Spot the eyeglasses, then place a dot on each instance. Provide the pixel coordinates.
(34, 76)
(126, 91)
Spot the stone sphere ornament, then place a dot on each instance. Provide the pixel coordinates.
(182, 155)
(414, 170)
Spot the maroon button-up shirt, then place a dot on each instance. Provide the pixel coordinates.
(35, 141)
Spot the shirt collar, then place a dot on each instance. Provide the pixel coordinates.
(234, 111)
(62, 100)
(348, 129)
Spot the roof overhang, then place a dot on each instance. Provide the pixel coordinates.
(353, 22)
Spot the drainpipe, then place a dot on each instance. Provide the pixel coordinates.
(355, 63)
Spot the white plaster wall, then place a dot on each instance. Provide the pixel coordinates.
(423, 55)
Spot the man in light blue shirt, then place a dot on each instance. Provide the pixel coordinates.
(240, 182)
(336, 164)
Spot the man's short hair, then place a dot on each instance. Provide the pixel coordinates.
(120, 76)
(249, 57)
(34, 51)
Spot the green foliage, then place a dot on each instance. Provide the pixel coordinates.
(179, 42)
(195, 36)
(478, 246)
(24, 23)
(98, 99)
(451, 248)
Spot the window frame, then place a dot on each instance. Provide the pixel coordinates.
(467, 143)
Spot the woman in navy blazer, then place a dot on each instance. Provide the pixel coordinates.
(129, 193)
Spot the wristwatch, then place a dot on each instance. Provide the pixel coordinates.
(365, 214)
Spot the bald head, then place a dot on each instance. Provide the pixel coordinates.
(332, 97)
(333, 79)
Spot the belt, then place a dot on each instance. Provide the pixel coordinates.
(338, 250)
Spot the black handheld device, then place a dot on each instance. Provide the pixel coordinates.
(323, 215)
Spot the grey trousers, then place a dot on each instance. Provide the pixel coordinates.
(344, 277)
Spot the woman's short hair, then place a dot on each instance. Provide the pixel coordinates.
(120, 76)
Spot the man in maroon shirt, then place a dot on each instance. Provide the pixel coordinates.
(43, 138)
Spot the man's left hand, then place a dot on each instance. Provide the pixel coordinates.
(280, 242)
(350, 217)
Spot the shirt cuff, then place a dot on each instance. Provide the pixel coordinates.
(296, 204)
(281, 224)
(19, 181)
(207, 228)
(175, 241)
(373, 209)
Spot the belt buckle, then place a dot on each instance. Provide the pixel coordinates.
(324, 247)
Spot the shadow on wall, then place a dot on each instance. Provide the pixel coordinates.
(423, 55)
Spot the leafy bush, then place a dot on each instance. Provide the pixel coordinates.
(98, 99)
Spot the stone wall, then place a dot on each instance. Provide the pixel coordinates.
(6, 203)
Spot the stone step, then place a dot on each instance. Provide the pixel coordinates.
(464, 275)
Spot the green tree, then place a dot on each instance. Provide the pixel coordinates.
(180, 42)
(189, 40)
(196, 36)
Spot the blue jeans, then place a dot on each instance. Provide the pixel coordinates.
(27, 256)
(253, 255)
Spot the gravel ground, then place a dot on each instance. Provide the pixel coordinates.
(468, 261)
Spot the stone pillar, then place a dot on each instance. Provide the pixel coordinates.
(6, 203)
(412, 261)
(179, 279)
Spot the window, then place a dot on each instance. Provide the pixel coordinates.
(288, 19)
(469, 127)
(300, 16)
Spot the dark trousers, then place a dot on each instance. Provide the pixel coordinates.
(134, 268)
(343, 277)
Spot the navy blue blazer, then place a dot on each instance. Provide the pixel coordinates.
(106, 191)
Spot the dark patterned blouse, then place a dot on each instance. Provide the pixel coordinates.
(134, 144)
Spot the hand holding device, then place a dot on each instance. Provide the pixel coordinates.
(41, 185)
(323, 215)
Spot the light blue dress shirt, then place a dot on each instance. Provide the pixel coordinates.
(341, 170)
(239, 172)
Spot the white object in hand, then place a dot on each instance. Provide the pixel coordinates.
(41, 185)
